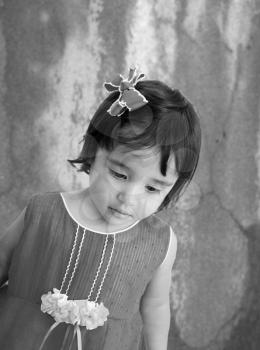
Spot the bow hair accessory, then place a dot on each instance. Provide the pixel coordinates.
(129, 97)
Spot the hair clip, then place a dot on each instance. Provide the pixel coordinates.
(129, 97)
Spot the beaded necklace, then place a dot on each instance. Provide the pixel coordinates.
(86, 312)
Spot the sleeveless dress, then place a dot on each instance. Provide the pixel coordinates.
(38, 265)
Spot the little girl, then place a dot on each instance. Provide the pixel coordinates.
(91, 269)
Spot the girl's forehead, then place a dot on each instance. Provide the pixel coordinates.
(129, 154)
(146, 158)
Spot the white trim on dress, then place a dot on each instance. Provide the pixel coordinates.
(90, 229)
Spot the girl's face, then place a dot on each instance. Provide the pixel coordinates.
(126, 185)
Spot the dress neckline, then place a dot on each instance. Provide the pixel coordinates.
(88, 228)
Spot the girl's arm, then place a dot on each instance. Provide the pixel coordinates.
(155, 304)
(8, 241)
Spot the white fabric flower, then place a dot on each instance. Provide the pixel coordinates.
(92, 314)
(51, 301)
(83, 312)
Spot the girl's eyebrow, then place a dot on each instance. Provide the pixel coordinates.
(118, 163)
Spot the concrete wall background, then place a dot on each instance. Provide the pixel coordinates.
(54, 57)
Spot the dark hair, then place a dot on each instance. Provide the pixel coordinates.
(168, 121)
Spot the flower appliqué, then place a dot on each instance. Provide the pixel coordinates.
(82, 312)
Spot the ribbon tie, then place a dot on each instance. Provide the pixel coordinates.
(76, 331)
(129, 97)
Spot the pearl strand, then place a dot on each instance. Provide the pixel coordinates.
(99, 267)
(71, 255)
(77, 261)
(105, 274)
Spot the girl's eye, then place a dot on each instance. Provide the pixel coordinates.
(118, 175)
(152, 189)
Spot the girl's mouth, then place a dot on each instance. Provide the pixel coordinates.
(119, 213)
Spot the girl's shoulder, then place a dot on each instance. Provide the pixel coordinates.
(46, 197)
(159, 231)
(40, 203)
(41, 197)
(156, 224)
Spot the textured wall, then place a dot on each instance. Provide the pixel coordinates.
(54, 57)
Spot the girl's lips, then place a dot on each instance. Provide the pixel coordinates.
(119, 212)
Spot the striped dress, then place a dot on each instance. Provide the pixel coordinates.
(39, 263)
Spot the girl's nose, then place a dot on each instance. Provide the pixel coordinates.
(129, 195)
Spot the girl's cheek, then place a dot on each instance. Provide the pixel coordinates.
(110, 182)
(145, 206)
(113, 184)
(152, 204)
